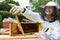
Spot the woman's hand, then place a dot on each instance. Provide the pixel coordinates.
(16, 9)
(36, 34)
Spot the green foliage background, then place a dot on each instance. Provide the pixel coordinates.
(40, 3)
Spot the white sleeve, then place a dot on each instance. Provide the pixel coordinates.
(34, 16)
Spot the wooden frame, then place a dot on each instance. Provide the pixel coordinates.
(28, 28)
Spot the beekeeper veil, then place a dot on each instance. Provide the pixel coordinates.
(54, 14)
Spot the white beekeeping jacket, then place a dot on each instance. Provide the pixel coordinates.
(53, 25)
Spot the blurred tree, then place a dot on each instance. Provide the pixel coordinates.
(4, 10)
(0, 21)
(10, 1)
(59, 2)
(37, 3)
(4, 5)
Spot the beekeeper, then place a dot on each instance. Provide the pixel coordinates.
(48, 20)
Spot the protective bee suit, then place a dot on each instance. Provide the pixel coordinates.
(53, 28)
(50, 31)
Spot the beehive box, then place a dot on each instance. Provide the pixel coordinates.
(28, 28)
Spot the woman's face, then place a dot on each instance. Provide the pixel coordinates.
(49, 10)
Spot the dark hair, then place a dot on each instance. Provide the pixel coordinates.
(54, 14)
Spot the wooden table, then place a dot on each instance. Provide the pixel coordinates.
(27, 37)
